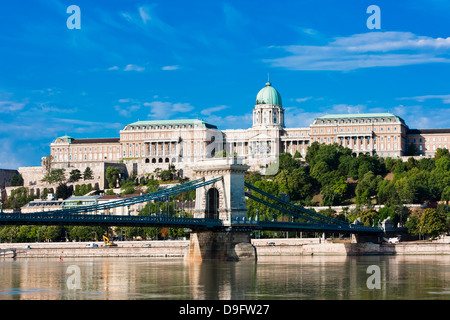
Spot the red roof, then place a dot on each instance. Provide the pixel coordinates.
(98, 140)
(118, 196)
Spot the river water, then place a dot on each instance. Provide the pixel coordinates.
(284, 278)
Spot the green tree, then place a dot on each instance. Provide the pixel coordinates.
(446, 194)
(296, 183)
(128, 187)
(16, 180)
(63, 191)
(334, 192)
(432, 223)
(441, 152)
(152, 185)
(439, 178)
(412, 224)
(18, 198)
(287, 162)
(75, 175)
(112, 176)
(45, 193)
(81, 190)
(387, 194)
(367, 188)
(55, 176)
(88, 174)
(368, 217)
(411, 150)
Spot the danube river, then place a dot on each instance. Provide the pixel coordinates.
(284, 278)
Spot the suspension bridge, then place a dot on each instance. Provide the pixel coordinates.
(220, 210)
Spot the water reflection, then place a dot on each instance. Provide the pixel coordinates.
(307, 277)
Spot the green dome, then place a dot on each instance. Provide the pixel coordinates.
(268, 95)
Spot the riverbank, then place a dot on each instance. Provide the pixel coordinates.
(264, 247)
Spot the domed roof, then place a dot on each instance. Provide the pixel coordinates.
(268, 95)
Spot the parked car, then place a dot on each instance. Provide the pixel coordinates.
(394, 240)
(91, 245)
(271, 243)
(147, 245)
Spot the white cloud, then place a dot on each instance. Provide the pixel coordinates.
(127, 106)
(444, 97)
(133, 67)
(346, 108)
(421, 117)
(301, 99)
(11, 106)
(209, 111)
(298, 118)
(113, 68)
(164, 110)
(170, 68)
(372, 49)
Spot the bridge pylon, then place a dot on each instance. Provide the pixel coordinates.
(224, 200)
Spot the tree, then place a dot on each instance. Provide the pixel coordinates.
(81, 190)
(413, 225)
(446, 194)
(296, 183)
(412, 150)
(128, 187)
(334, 192)
(441, 152)
(297, 155)
(88, 174)
(45, 193)
(387, 194)
(439, 178)
(18, 198)
(63, 191)
(367, 188)
(112, 175)
(287, 162)
(312, 151)
(368, 217)
(432, 223)
(152, 185)
(55, 176)
(16, 180)
(75, 175)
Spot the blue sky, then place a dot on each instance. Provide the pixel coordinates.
(208, 59)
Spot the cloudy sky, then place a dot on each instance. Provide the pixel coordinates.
(167, 59)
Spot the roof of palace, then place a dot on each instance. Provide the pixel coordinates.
(175, 122)
(360, 115)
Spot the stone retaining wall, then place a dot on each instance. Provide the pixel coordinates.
(282, 247)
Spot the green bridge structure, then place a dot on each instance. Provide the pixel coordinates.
(220, 227)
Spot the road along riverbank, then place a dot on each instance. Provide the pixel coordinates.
(177, 248)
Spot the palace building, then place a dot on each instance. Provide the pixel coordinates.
(143, 146)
